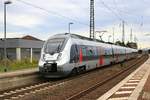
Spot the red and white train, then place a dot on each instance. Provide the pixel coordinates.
(63, 54)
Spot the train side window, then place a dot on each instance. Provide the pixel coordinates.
(84, 51)
(101, 51)
(105, 51)
(73, 54)
(95, 51)
(90, 52)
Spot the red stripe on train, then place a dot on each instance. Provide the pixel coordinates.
(81, 56)
(101, 60)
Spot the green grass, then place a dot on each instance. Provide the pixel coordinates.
(17, 65)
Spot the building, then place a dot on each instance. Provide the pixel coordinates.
(20, 48)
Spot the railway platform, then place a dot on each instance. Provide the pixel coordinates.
(10, 80)
(18, 73)
(134, 87)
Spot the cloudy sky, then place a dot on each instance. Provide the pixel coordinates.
(43, 18)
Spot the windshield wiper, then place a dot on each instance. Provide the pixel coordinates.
(58, 48)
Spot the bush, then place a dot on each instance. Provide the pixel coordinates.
(18, 65)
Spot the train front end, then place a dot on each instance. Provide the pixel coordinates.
(54, 57)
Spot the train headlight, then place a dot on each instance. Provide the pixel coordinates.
(59, 56)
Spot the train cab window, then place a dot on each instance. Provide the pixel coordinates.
(54, 45)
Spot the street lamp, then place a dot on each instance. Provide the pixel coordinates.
(5, 52)
(69, 25)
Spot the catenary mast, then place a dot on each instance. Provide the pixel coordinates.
(92, 22)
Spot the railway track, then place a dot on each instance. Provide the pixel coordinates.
(21, 92)
(100, 83)
(26, 90)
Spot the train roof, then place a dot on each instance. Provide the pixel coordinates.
(96, 40)
(89, 39)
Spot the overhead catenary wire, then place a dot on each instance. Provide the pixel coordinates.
(139, 18)
(119, 12)
(51, 12)
(110, 9)
(123, 12)
(118, 16)
(72, 19)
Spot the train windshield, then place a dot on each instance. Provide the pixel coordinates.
(54, 45)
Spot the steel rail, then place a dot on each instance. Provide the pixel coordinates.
(100, 83)
(20, 92)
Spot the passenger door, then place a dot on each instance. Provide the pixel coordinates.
(74, 54)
